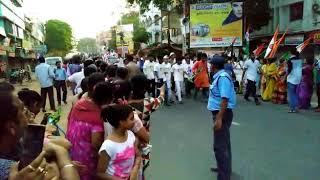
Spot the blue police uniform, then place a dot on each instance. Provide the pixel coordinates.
(222, 87)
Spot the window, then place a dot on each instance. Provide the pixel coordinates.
(296, 11)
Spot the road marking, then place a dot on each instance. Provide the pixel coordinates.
(236, 124)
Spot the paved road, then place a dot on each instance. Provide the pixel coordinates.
(267, 143)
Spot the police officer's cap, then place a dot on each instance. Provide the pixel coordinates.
(217, 60)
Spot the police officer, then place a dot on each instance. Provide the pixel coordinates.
(222, 99)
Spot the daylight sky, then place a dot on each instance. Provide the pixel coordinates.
(87, 17)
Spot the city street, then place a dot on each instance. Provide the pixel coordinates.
(267, 142)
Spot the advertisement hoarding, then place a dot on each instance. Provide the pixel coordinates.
(127, 31)
(216, 24)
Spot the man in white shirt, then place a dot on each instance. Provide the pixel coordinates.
(167, 79)
(188, 64)
(148, 70)
(159, 73)
(76, 79)
(178, 71)
(251, 69)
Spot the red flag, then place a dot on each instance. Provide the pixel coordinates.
(259, 50)
(276, 45)
(303, 45)
(272, 42)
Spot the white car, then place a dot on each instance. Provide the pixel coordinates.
(52, 60)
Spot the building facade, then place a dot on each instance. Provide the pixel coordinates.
(21, 38)
(302, 20)
(151, 20)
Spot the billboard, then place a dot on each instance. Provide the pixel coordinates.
(127, 31)
(216, 24)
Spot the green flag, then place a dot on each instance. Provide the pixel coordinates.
(246, 47)
(286, 56)
(263, 54)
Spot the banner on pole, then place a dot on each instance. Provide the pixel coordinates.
(216, 24)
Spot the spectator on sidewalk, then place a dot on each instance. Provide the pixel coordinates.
(60, 83)
(45, 75)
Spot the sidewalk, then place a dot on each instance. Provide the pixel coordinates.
(34, 85)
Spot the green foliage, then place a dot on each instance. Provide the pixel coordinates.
(130, 18)
(144, 4)
(141, 35)
(58, 36)
(87, 45)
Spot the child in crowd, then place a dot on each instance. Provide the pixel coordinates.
(119, 155)
(178, 71)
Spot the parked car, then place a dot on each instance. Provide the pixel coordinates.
(52, 60)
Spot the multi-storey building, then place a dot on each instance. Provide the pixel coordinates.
(21, 38)
(302, 20)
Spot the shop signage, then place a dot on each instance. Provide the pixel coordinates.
(294, 40)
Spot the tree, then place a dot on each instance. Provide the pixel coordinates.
(58, 38)
(87, 45)
(140, 34)
(130, 18)
(144, 4)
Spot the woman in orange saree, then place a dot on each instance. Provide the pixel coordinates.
(280, 91)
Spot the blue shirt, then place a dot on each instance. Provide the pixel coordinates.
(44, 74)
(221, 87)
(60, 74)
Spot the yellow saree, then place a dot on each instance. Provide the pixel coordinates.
(271, 69)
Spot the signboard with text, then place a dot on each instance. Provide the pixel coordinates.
(294, 40)
(127, 32)
(216, 24)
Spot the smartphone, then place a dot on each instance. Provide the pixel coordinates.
(32, 143)
(45, 119)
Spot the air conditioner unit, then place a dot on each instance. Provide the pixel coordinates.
(316, 8)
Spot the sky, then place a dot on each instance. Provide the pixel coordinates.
(86, 17)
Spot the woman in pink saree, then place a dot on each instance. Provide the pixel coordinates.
(85, 126)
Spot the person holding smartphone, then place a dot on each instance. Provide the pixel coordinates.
(13, 122)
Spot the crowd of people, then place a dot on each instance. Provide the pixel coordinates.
(108, 126)
(282, 81)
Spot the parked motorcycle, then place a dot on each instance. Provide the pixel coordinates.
(19, 75)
